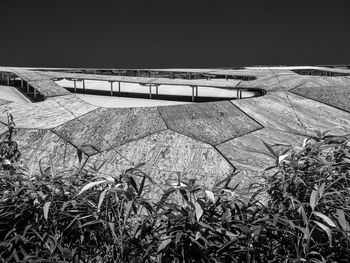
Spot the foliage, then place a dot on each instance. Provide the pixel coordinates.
(92, 218)
(310, 198)
(9, 153)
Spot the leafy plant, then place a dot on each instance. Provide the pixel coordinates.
(309, 196)
(87, 217)
(9, 153)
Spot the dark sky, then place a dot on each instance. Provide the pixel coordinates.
(158, 34)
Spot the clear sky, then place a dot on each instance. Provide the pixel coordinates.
(158, 34)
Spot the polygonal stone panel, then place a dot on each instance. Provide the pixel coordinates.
(249, 152)
(250, 156)
(289, 112)
(47, 114)
(104, 128)
(336, 96)
(107, 163)
(42, 147)
(49, 88)
(289, 81)
(178, 155)
(213, 122)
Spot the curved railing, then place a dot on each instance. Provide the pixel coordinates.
(158, 91)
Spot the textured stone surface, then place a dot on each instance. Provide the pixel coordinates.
(167, 155)
(47, 114)
(212, 123)
(49, 88)
(117, 139)
(293, 113)
(250, 156)
(249, 152)
(107, 163)
(337, 96)
(4, 102)
(175, 153)
(29, 75)
(3, 128)
(104, 129)
(44, 148)
(267, 82)
(290, 81)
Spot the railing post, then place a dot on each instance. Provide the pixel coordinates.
(84, 86)
(192, 93)
(75, 85)
(111, 88)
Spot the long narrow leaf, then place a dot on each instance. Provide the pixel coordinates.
(342, 220)
(46, 208)
(199, 211)
(90, 185)
(325, 218)
(102, 197)
(313, 199)
(142, 185)
(327, 230)
(268, 147)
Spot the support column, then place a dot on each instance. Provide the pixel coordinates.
(196, 91)
(28, 88)
(21, 83)
(75, 86)
(111, 88)
(192, 93)
(34, 94)
(157, 89)
(237, 96)
(84, 86)
(119, 86)
(8, 79)
(150, 91)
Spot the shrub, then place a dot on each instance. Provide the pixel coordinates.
(9, 153)
(85, 217)
(310, 199)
